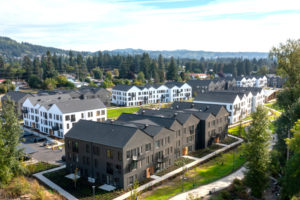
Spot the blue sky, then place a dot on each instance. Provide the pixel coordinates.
(211, 25)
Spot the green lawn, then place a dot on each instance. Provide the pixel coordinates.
(201, 175)
(203, 152)
(177, 164)
(116, 112)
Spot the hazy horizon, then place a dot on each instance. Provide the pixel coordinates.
(196, 25)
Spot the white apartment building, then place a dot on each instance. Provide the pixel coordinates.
(131, 95)
(240, 102)
(55, 115)
(252, 81)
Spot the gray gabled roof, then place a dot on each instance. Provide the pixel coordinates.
(200, 107)
(181, 117)
(217, 97)
(16, 95)
(147, 120)
(77, 105)
(48, 100)
(123, 87)
(199, 82)
(172, 84)
(102, 133)
(151, 130)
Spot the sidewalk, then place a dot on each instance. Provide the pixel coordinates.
(214, 186)
(179, 170)
(52, 185)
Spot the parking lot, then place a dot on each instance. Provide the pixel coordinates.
(42, 153)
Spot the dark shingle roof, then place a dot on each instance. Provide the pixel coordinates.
(217, 97)
(172, 84)
(102, 133)
(151, 130)
(180, 116)
(123, 87)
(190, 106)
(16, 95)
(199, 82)
(147, 120)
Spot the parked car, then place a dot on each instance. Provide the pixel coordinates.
(48, 142)
(39, 139)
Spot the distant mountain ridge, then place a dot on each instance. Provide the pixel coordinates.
(13, 49)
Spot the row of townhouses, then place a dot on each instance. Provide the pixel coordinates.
(56, 114)
(130, 95)
(138, 145)
(202, 86)
(82, 93)
(252, 81)
(239, 102)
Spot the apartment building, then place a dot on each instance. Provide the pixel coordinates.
(130, 95)
(55, 115)
(251, 81)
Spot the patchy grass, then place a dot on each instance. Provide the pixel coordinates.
(83, 188)
(228, 140)
(38, 167)
(275, 106)
(116, 112)
(235, 130)
(206, 173)
(203, 152)
(177, 164)
(27, 187)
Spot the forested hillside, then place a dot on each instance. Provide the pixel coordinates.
(12, 48)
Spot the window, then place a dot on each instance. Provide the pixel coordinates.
(87, 148)
(82, 115)
(120, 156)
(75, 147)
(96, 163)
(109, 153)
(109, 168)
(128, 154)
(73, 118)
(90, 114)
(68, 126)
(67, 117)
(157, 143)
(102, 112)
(95, 150)
(148, 147)
(57, 117)
(98, 113)
(50, 115)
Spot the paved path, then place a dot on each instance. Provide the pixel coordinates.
(214, 186)
(52, 185)
(179, 170)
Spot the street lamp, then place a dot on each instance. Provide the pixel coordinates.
(93, 191)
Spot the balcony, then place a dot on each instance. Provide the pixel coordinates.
(138, 157)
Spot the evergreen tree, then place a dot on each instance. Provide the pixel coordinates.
(49, 67)
(172, 73)
(71, 59)
(291, 179)
(100, 59)
(257, 152)
(154, 71)
(27, 65)
(145, 65)
(161, 68)
(10, 133)
(37, 67)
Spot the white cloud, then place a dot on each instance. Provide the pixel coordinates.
(250, 25)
